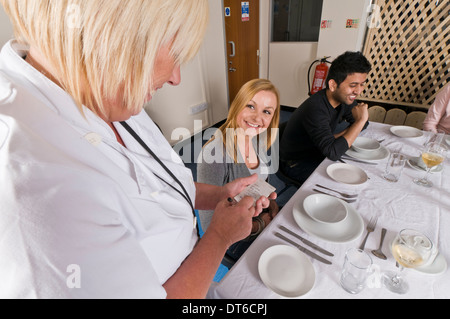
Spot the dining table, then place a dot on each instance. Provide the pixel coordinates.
(396, 206)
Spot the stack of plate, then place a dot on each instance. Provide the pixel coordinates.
(344, 231)
(367, 149)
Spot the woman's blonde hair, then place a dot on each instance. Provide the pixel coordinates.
(244, 96)
(104, 47)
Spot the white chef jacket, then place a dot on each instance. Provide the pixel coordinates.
(80, 215)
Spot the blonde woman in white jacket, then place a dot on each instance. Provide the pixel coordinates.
(88, 210)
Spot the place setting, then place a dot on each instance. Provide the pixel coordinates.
(431, 160)
(433, 156)
(411, 249)
(287, 269)
(328, 218)
(364, 151)
(367, 151)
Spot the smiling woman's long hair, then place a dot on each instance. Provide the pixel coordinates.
(228, 130)
(101, 49)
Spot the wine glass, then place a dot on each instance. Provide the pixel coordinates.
(433, 155)
(411, 249)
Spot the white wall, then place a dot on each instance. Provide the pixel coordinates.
(338, 39)
(170, 106)
(288, 69)
(204, 80)
(6, 30)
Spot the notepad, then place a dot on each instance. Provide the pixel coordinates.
(256, 190)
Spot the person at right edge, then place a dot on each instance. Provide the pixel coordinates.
(315, 130)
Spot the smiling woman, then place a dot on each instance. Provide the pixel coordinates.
(258, 101)
(239, 148)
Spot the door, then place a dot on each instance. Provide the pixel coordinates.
(242, 36)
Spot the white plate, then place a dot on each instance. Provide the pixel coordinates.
(413, 163)
(325, 209)
(406, 131)
(378, 155)
(347, 174)
(286, 271)
(347, 231)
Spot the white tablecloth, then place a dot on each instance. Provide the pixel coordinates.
(397, 205)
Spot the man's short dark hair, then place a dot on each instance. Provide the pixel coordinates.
(347, 64)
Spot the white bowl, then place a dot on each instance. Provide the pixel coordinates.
(325, 209)
(366, 145)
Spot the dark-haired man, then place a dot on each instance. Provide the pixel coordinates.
(311, 133)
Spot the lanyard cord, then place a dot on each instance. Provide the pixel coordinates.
(185, 194)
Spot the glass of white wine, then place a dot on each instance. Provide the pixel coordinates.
(411, 249)
(433, 155)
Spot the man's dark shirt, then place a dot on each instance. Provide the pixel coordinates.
(309, 134)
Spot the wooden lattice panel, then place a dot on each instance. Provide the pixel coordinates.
(409, 51)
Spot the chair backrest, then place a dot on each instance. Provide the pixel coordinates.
(281, 128)
(395, 117)
(377, 114)
(280, 174)
(415, 119)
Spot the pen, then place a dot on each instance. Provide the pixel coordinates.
(232, 201)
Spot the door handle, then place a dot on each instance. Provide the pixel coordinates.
(233, 49)
(232, 69)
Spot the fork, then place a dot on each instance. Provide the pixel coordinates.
(342, 194)
(350, 201)
(370, 228)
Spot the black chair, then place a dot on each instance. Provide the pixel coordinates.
(289, 182)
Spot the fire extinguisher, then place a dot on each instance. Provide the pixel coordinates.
(320, 76)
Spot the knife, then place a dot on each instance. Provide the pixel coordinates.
(357, 160)
(304, 250)
(307, 242)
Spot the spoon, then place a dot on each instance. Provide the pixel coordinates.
(378, 252)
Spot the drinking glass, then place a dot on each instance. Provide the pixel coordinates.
(394, 167)
(355, 271)
(433, 155)
(411, 249)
